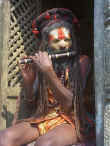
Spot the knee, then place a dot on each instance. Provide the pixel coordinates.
(5, 138)
(44, 142)
(2, 139)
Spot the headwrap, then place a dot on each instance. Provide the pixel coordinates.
(54, 18)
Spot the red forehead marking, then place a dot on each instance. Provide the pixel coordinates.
(61, 34)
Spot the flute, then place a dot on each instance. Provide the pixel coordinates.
(51, 56)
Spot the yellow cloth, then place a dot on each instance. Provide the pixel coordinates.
(55, 120)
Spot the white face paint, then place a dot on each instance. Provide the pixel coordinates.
(60, 38)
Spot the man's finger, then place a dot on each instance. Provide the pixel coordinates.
(36, 54)
(20, 66)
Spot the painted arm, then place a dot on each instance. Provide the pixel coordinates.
(61, 93)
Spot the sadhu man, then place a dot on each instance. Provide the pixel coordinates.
(57, 76)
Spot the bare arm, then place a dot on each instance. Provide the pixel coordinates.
(61, 93)
(29, 75)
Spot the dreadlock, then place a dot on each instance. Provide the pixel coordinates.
(42, 99)
(77, 102)
(77, 87)
(42, 95)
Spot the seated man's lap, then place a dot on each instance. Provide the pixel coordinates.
(61, 135)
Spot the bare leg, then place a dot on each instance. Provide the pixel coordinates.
(18, 134)
(62, 135)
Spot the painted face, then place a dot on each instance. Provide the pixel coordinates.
(60, 38)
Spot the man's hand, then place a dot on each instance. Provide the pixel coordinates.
(28, 72)
(42, 61)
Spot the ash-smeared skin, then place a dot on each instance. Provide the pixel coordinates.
(60, 38)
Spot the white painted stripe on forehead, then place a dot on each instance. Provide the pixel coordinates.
(66, 32)
(54, 32)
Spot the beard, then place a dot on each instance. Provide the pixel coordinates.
(60, 65)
